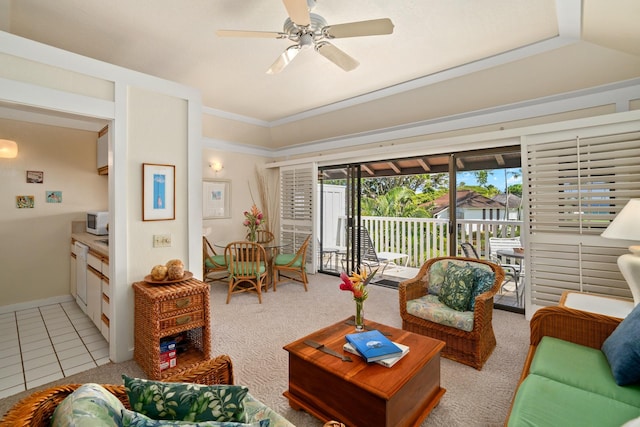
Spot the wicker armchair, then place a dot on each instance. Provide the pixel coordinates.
(471, 348)
(37, 409)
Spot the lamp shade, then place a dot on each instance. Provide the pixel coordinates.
(626, 225)
(8, 149)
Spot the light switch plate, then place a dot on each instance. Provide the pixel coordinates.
(161, 240)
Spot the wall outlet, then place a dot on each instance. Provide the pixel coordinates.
(161, 240)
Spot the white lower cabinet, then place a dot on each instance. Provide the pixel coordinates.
(94, 296)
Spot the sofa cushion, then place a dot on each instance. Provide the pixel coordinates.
(457, 287)
(132, 418)
(541, 401)
(483, 278)
(430, 308)
(90, 404)
(186, 401)
(582, 367)
(622, 349)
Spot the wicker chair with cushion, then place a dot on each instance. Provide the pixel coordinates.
(292, 263)
(37, 409)
(451, 299)
(247, 268)
(212, 262)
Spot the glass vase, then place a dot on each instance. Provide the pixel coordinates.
(359, 320)
(252, 235)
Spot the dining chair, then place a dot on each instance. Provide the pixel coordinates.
(212, 262)
(247, 267)
(292, 263)
(513, 272)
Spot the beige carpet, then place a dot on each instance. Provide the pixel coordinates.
(253, 335)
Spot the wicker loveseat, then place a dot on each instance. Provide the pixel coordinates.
(422, 313)
(567, 378)
(37, 409)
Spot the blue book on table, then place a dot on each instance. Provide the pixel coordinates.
(373, 345)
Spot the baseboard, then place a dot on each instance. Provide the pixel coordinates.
(35, 303)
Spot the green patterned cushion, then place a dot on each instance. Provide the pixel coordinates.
(430, 308)
(131, 418)
(186, 401)
(457, 287)
(482, 281)
(90, 405)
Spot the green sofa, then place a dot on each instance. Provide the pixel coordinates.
(567, 379)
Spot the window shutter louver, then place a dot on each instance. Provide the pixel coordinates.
(296, 207)
(575, 188)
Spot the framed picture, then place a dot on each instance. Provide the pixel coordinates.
(35, 177)
(158, 192)
(25, 202)
(216, 198)
(54, 196)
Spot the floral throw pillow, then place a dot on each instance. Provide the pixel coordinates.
(186, 401)
(457, 287)
(136, 419)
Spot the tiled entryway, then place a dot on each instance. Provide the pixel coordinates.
(47, 343)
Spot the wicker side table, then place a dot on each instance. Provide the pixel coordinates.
(166, 310)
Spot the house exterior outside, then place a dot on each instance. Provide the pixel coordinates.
(469, 205)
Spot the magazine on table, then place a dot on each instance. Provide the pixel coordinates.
(384, 362)
(373, 345)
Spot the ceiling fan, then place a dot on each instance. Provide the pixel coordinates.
(309, 30)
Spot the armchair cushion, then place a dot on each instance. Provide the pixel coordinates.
(622, 349)
(429, 307)
(186, 401)
(457, 287)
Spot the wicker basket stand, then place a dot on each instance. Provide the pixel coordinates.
(167, 310)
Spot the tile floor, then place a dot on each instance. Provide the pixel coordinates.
(47, 343)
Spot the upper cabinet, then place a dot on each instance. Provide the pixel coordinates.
(103, 151)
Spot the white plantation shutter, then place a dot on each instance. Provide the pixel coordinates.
(297, 185)
(576, 186)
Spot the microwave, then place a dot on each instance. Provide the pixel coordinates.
(98, 223)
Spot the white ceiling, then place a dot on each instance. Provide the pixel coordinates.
(433, 40)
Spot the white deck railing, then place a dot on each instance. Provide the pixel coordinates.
(424, 238)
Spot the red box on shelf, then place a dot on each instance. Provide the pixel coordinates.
(168, 360)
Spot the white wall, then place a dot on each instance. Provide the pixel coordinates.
(240, 170)
(34, 254)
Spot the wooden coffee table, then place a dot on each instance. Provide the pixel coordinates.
(361, 394)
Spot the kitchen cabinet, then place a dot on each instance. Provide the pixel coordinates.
(98, 291)
(102, 156)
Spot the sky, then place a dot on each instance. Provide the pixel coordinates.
(495, 178)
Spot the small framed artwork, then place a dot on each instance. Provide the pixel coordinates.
(53, 196)
(25, 202)
(158, 192)
(35, 177)
(216, 198)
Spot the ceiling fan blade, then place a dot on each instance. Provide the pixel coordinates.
(373, 27)
(260, 34)
(298, 11)
(284, 59)
(336, 56)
